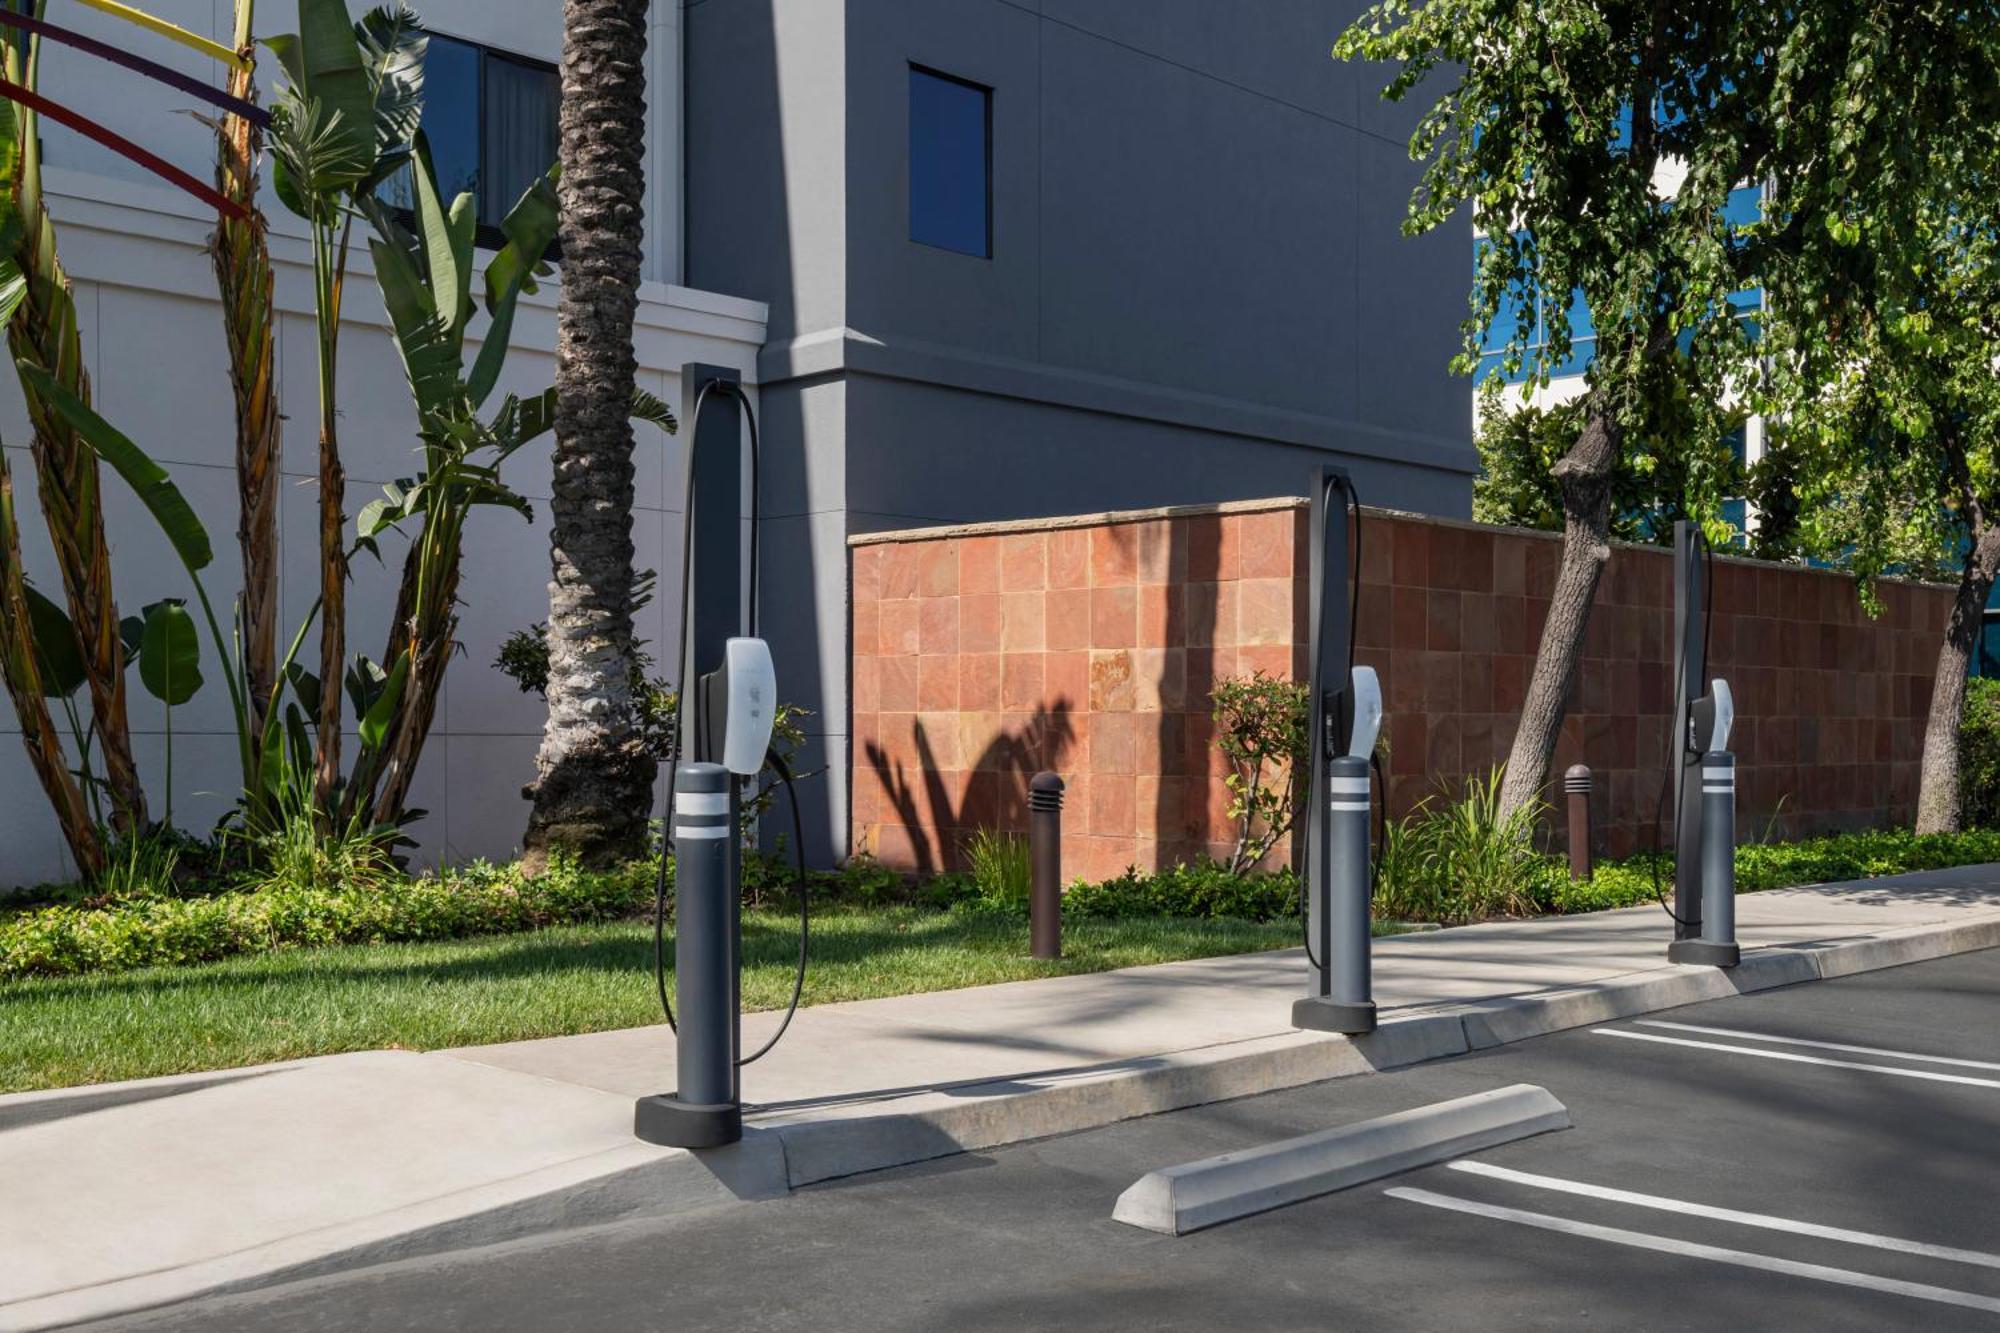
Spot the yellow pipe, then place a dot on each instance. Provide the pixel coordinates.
(194, 41)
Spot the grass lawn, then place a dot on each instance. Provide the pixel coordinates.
(62, 1031)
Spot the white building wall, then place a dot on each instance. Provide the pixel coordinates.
(154, 347)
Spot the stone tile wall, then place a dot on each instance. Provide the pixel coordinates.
(1089, 646)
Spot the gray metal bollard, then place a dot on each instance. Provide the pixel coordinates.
(1718, 855)
(705, 1110)
(1045, 802)
(1576, 784)
(1340, 921)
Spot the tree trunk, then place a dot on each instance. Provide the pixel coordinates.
(594, 778)
(243, 276)
(1584, 474)
(21, 667)
(1938, 806)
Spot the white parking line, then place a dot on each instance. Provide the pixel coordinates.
(1763, 1220)
(1641, 1240)
(1929, 1074)
(1819, 1045)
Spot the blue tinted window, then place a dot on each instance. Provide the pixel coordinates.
(490, 120)
(951, 179)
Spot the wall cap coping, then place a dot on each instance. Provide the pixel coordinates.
(1111, 518)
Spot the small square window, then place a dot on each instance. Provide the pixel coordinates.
(951, 163)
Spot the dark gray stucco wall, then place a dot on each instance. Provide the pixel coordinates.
(1197, 289)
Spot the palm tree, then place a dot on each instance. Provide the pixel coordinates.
(594, 776)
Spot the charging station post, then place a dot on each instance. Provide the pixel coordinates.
(706, 1108)
(1344, 716)
(1705, 795)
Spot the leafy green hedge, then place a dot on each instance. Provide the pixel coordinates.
(1979, 753)
(1781, 865)
(148, 932)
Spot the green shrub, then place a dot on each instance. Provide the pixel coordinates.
(1201, 890)
(1260, 726)
(1463, 862)
(1979, 754)
(1000, 869)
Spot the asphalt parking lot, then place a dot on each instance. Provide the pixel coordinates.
(1820, 1157)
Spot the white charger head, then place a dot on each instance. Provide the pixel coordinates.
(752, 706)
(1725, 714)
(1367, 713)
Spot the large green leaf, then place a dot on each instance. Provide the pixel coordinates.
(170, 654)
(334, 75)
(645, 407)
(444, 255)
(374, 727)
(530, 227)
(430, 353)
(57, 652)
(156, 490)
(393, 47)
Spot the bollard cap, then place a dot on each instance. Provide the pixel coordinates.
(1577, 779)
(698, 775)
(1045, 791)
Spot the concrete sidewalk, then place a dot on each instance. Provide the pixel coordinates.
(122, 1196)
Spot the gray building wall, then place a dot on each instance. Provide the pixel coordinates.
(1197, 288)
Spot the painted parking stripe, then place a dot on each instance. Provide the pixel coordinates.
(1820, 1045)
(1642, 1240)
(1931, 1075)
(1762, 1220)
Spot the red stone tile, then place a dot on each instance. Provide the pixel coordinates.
(982, 743)
(1205, 543)
(1264, 549)
(1114, 617)
(1024, 562)
(1022, 620)
(1112, 737)
(1069, 558)
(979, 624)
(865, 682)
(865, 563)
(899, 684)
(1409, 618)
(937, 683)
(899, 634)
(1111, 680)
(1264, 612)
(937, 625)
(899, 570)
(1066, 679)
(1410, 545)
(1441, 609)
(978, 565)
(937, 569)
(979, 681)
(1021, 678)
(1067, 623)
(1114, 555)
(1155, 552)
(938, 740)
(1162, 616)
(1273, 660)
(866, 629)
(1112, 806)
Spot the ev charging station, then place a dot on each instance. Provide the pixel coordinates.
(1344, 718)
(728, 705)
(1704, 909)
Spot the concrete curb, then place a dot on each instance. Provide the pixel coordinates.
(1178, 1199)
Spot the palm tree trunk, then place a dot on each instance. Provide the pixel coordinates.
(45, 330)
(22, 671)
(1938, 805)
(1584, 474)
(243, 276)
(594, 778)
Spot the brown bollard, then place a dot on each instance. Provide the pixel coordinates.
(1576, 783)
(1045, 800)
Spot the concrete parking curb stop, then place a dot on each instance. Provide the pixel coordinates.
(1178, 1199)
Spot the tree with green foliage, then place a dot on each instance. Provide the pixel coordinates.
(1595, 145)
(1901, 408)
